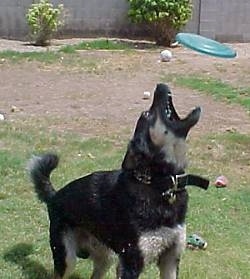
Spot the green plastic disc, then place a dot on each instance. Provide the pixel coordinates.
(205, 45)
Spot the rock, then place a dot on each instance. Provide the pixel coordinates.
(166, 55)
(146, 95)
(2, 117)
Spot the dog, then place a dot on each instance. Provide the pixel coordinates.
(136, 212)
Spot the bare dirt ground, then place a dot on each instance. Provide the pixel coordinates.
(105, 96)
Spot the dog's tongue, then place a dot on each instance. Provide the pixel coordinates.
(163, 102)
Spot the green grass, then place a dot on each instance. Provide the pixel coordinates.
(219, 89)
(69, 51)
(97, 45)
(63, 61)
(47, 57)
(221, 216)
(67, 57)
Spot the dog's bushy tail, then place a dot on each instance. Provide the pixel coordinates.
(40, 168)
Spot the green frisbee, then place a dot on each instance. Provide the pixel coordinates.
(205, 45)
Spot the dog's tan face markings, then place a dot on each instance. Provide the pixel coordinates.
(173, 147)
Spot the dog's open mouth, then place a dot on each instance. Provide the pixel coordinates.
(162, 103)
(159, 142)
(162, 108)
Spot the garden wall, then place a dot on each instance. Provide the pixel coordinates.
(225, 20)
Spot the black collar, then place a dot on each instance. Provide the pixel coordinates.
(177, 183)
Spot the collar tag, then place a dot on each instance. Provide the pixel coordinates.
(143, 177)
(169, 195)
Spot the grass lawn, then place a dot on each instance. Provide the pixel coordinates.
(67, 51)
(220, 216)
(220, 90)
(70, 58)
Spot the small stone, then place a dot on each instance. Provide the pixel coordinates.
(146, 95)
(166, 55)
(2, 117)
(91, 156)
(14, 109)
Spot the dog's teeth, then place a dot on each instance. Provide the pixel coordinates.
(168, 110)
(168, 113)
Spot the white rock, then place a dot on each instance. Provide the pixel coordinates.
(2, 117)
(166, 55)
(146, 95)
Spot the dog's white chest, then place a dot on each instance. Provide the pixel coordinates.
(153, 243)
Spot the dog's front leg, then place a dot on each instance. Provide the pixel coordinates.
(169, 264)
(170, 258)
(130, 265)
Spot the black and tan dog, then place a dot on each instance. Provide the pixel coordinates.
(136, 212)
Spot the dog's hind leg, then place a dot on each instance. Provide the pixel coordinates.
(101, 266)
(102, 260)
(64, 253)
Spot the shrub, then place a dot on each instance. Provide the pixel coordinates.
(44, 20)
(164, 18)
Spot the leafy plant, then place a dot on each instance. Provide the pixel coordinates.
(44, 20)
(164, 18)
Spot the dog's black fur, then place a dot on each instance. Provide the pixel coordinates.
(123, 211)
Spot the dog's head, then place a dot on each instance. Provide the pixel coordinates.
(159, 141)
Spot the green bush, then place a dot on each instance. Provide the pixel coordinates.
(164, 18)
(44, 20)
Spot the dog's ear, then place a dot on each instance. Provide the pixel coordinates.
(192, 118)
(129, 161)
(187, 123)
(137, 152)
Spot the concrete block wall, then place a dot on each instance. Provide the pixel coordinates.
(224, 20)
(86, 17)
(83, 18)
(12, 18)
(193, 24)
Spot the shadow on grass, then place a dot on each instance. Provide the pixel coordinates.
(31, 269)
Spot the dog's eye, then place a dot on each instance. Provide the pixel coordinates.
(146, 114)
(166, 132)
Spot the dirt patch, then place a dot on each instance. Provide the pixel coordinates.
(109, 98)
